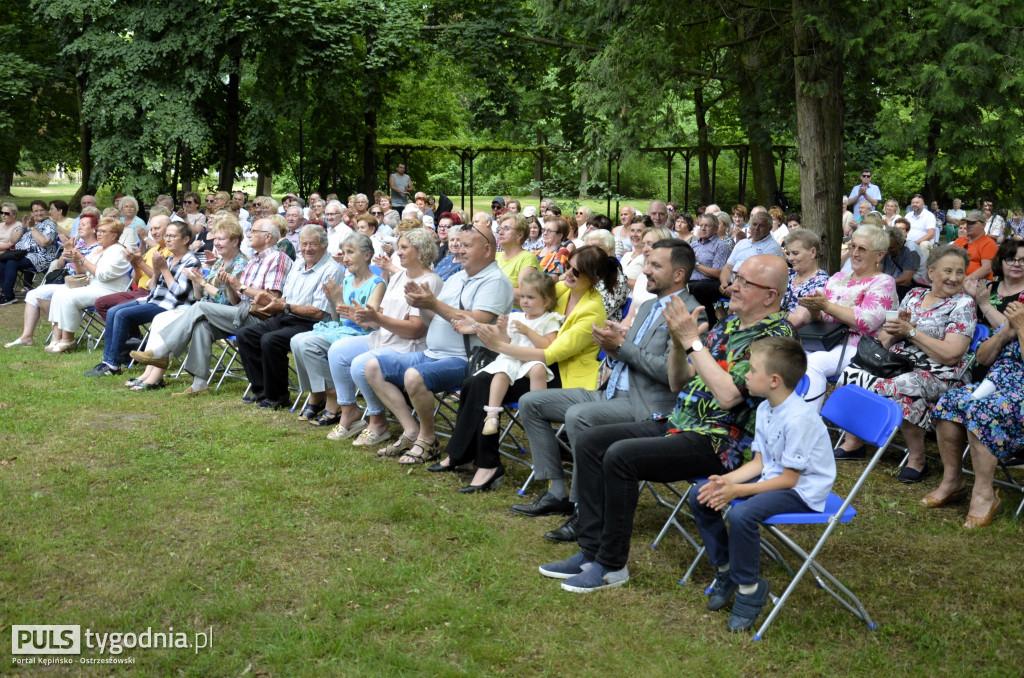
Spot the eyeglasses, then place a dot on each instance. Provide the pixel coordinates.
(741, 282)
(550, 231)
(504, 229)
(7, 214)
(865, 176)
(857, 249)
(474, 228)
(580, 213)
(193, 202)
(378, 213)
(1014, 262)
(576, 273)
(332, 214)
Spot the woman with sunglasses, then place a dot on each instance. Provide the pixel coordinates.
(573, 351)
(554, 256)
(39, 244)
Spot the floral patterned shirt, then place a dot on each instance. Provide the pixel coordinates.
(869, 298)
(953, 315)
(697, 410)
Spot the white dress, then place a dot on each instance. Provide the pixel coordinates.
(517, 369)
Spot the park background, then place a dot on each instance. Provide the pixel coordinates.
(125, 510)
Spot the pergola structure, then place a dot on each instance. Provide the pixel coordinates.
(468, 152)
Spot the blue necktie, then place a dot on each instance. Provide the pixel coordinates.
(619, 379)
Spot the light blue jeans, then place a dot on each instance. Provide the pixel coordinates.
(347, 359)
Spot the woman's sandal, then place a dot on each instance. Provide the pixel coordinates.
(63, 346)
(428, 452)
(396, 448)
(491, 425)
(19, 342)
(131, 383)
(310, 411)
(326, 418)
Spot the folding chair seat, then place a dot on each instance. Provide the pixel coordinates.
(874, 419)
(510, 447)
(230, 354)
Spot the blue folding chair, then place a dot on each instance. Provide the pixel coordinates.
(874, 419)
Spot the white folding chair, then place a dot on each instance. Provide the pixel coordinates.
(876, 420)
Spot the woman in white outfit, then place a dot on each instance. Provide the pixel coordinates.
(110, 273)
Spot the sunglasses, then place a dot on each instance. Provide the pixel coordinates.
(7, 214)
(193, 202)
(377, 213)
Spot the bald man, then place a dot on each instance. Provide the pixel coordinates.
(693, 442)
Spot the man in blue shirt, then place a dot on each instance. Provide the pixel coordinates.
(864, 191)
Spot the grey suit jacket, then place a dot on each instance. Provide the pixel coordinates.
(648, 361)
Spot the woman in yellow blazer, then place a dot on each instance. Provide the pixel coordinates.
(573, 351)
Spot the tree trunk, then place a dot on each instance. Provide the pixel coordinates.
(818, 72)
(6, 179)
(370, 181)
(932, 190)
(229, 162)
(700, 111)
(538, 167)
(84, 151)
(186, 168)
(584, 180)
(762, 167)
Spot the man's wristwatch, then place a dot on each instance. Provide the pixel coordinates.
(695, 347)
(242, 289)
(288, 308)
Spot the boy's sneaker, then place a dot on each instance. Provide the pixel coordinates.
(570, 567)
(721, 590)
(747, 607)
(596, 577)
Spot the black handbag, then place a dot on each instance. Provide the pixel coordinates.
(879, 361)
(56, 277)
(822, 335)
(479, 357)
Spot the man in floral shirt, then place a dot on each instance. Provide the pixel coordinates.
(710, 431)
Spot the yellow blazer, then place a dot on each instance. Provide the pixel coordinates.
(574, 349)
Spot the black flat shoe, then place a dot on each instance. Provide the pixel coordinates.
(492, 484)
(252, 398)
(438, 468)
(567, 532)
(909, 476)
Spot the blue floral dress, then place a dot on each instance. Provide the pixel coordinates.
(998, 420)
(796, 292)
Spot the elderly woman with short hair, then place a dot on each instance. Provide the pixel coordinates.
(37, 300)
(399, 327)
(360, 288)
(933, 330)
(615, 298)
(11, 229)
(108, 272)
(38, 241)
(554, 256)
(129, 208)
(805, 276)
(857, 298)
(227, 242)
(513, 260)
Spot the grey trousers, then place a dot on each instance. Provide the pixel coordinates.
(579, 409)
(199, 326)
(310, 352)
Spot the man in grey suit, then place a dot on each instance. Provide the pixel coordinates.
(636, 390)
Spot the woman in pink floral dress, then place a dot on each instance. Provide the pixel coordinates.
(857, 298)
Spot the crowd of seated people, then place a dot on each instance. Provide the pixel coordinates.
(394, 308)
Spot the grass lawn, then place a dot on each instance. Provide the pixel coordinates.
(124, 511)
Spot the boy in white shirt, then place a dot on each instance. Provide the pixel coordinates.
(792, 472)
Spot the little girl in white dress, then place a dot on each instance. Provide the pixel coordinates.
(536, 325)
